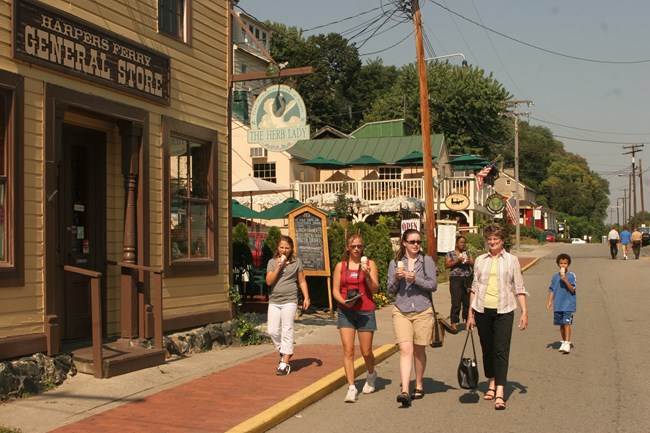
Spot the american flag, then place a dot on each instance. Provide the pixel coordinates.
(511, 208)
(481, 175)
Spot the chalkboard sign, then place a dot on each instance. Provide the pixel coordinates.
(307, 227)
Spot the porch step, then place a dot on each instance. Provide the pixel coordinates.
(119, 358)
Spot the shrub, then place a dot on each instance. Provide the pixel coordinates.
(248, 329)
(270, 245)
(241, 250)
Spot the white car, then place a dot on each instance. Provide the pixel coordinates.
(578, 241)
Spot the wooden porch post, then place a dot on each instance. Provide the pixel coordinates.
(131, 135)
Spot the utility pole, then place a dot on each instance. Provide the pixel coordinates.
(624, 204)
(629, 199)
(633, 150)
(430, 223)
(516, 113)
(641, 187)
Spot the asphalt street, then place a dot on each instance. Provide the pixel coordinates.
(601, 386)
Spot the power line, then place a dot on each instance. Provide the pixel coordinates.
(590, 130)
(595, 141)
(342, 20)
(568, 56)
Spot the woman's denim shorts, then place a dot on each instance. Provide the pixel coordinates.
(355, 319)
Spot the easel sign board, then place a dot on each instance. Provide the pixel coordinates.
(308, 228)
(446, 237)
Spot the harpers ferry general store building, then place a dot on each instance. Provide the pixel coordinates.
(113, 170)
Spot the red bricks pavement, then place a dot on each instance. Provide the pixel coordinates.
(219, 401)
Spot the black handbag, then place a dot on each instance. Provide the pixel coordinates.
(468, 367)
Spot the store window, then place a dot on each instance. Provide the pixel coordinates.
(173, 18)
(265, 171)
(11, 229)
(190, 179)
(389, 173)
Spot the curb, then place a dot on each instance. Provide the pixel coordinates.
(303, 398)
(525, 268)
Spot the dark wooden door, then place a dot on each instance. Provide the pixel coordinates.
(82, 228)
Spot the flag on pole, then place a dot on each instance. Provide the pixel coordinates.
(511, 208)
(480, 176)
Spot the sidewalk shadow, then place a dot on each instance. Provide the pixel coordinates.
(513, 386)
(305, 362)
(469, 397)
(554, 345)
(431, 386)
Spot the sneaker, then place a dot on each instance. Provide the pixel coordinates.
(352, 394)
(561, 349)
(567, 348)
(369, 386)
(283, 369)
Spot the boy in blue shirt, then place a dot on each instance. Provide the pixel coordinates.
(562, 297)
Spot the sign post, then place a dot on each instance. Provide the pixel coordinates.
(308, 228)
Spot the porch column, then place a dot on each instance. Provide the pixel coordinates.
(131, 135)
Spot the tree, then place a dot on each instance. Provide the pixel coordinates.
(328, 92)
(241, 250)
(464, 105)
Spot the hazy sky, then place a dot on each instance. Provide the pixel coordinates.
(594, 106)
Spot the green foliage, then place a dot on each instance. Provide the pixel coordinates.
(235, 297)
(462, 101)
(4, 429)
(390, 221)
(336, 243)
(530, 232)
(270, 245)
(248, 329)
(342, 203)
(241, 249)
(475, 243)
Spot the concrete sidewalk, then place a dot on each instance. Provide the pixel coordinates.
(234, 389)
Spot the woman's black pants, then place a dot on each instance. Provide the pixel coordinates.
(495, 332)
(459, 290)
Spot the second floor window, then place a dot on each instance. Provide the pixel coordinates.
(265, 171)
(171, 17)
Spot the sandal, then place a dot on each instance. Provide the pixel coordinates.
(499, 405)
(405, 399)
(489, 394)
(417, 394)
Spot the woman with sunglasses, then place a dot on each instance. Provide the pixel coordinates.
(356, 279)
(412, 278)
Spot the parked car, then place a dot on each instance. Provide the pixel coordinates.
(578, 241)
(645, 235)
(550, 235)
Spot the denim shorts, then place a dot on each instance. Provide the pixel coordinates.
(355, 319)
(563, 318)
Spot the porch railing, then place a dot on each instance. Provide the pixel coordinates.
(376, 191)
(96, 316)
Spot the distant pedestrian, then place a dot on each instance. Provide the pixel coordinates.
(562, 298)
(498, 286)
(637, 238)
(613, 238)
(626, 238)
(460, 261)
(356, 277)
(283, 273)
(412, 278)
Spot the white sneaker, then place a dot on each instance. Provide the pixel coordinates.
(283, 369)
(369, 386)
(352, 394)
(567, 348)
(561, 349)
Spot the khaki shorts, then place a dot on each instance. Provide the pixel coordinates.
(413, 327)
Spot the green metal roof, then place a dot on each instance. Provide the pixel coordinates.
(388, 149)
(385, 128)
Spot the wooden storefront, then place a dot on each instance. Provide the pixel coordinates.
(115, 164)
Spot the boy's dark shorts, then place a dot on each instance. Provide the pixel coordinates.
(563, 318)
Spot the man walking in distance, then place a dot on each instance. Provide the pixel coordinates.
(637, 237)
(613, 239)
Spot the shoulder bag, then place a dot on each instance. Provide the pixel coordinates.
(468, 367)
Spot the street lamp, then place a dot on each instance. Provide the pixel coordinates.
(446, 56)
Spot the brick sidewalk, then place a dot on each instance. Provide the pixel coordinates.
(219, 401)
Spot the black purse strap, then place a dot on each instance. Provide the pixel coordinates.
(469, 334)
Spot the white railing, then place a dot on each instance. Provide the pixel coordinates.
(375, 191)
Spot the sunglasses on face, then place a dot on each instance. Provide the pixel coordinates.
(414, 242)
(358, 247)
